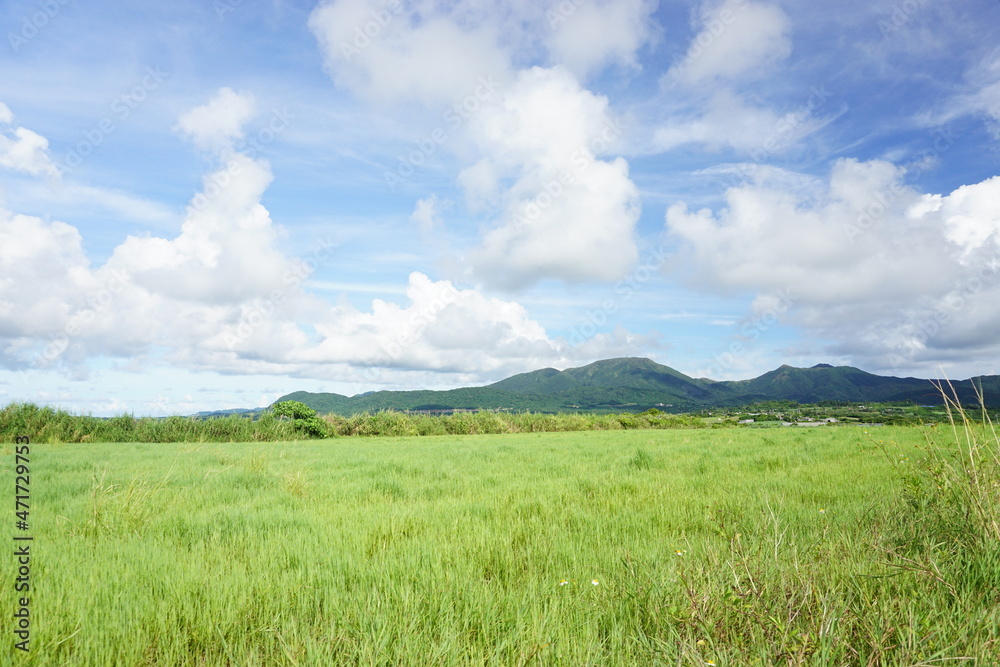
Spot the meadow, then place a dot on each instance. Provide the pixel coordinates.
(835, 546)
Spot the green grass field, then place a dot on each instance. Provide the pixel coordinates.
(667, 547)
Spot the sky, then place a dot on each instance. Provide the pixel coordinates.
(207, 205)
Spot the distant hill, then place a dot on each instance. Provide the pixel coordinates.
(844, 383)
(225, 413)
(635, 384)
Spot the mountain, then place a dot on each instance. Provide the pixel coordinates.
(632, 384)
(610, 382)
(225, 413)
(845, 383)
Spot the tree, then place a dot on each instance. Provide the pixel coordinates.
(293, 410)
(303, 418)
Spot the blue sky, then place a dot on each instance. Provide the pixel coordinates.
(206, 205)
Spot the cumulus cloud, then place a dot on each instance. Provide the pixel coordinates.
(736, 38)
(560, 211)
(22, 149)
(738, 43)
(45, 271)
(225, 250)
(388, 52)
(219, 124)
(568, 214)
(585, 37)
(427, 213)
(441, 328)
(220, 296)
(152, 292)
(397, 51)
(866, 259)
(56, 310)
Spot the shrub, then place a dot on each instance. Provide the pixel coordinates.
(293, 410)
(313, 426)
(629, 421)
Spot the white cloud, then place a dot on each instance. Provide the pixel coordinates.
(866, 259)
(441, 328)
(587, 36)
(439, 331)
(434, 53)
(225, 251)
(153, 291)
(736, 38)
(220, 296)
(217, 125)
(22, 149)
(427, 213)
(986, 99)
(395, 51)
(711, 103)
(725, 120)
(568, 215)
(538, 133)
(44, 275)
(979, 95)
(971, 214)
(101, 201)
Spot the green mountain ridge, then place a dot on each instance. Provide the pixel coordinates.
(633, 384)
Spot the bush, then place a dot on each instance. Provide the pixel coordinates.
(629, 421)
(313, 426)
(293, 410)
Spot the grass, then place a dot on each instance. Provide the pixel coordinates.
(392, 423)
(725, 547)
(52, 426)
(48, 425)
